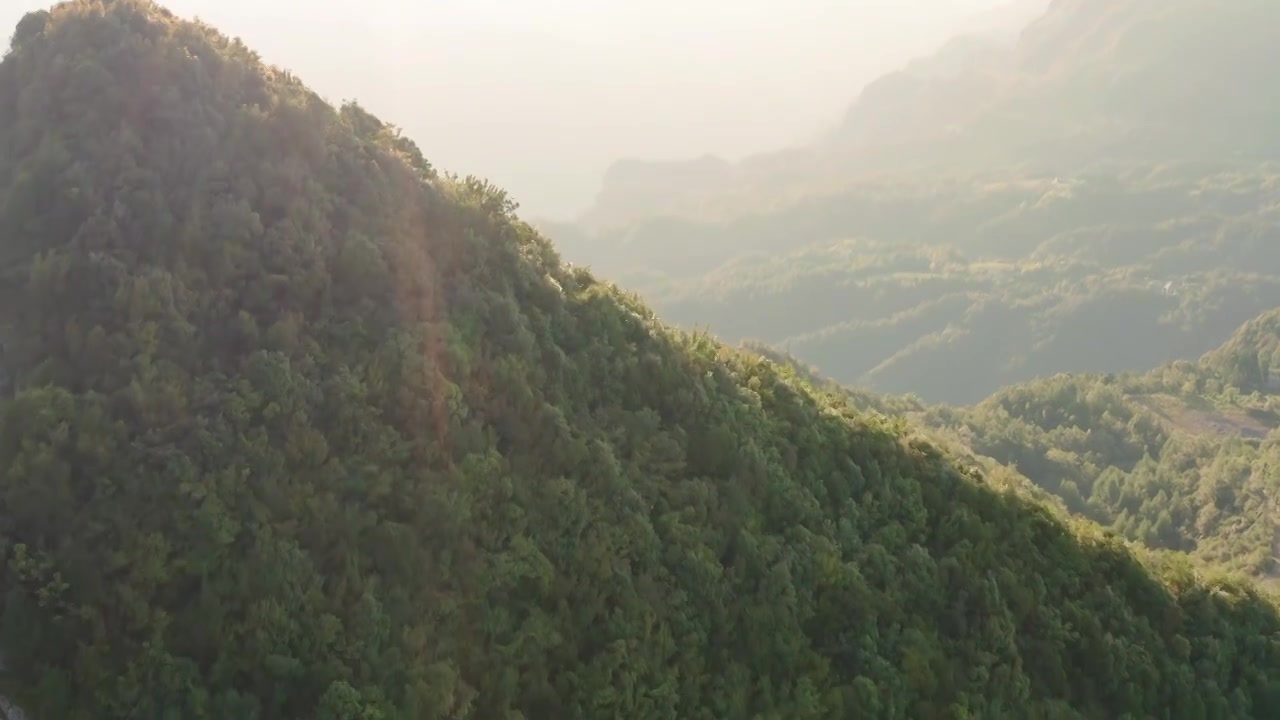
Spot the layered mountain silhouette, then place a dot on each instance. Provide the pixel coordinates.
(298, 427)
(1089, 85)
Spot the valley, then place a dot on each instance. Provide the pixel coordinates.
(1081, 209)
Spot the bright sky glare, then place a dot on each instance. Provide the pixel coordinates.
(541, 96)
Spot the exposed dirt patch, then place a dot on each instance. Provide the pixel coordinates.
(1206, 419)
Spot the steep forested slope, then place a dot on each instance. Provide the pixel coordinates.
(1181, 458)
(299, 428)
(1250, 360)
(1177, 459)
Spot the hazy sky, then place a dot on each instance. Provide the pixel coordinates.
(541, 95)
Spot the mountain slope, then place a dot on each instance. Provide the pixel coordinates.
(1249, 360)
(1176, 459)
(1093, 82)
(299, 428)
(1179, 458)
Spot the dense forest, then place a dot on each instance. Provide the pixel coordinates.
(1181, 458)
(1098, 196)
(1150, 457)
(299, 426)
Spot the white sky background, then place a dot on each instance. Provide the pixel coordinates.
(540, 96)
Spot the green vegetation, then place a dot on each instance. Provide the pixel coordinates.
(1182, 458)
(1169, 471)
(300, 428)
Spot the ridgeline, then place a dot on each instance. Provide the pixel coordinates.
(298, 427)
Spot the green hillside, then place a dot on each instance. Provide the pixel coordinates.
(298, 427)
(1188, 472)
(1181, 458)
(1250, 360)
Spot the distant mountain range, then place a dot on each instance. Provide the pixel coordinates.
(1087, 84)
(1011, 207)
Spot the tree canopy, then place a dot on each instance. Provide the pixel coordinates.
(298, 427)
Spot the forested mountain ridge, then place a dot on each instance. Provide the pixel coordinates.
(1182, 458)
(1250, 360)
(1159, 459)
(300, 427)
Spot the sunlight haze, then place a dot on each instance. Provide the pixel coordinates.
(540, 96)
(844, 359)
